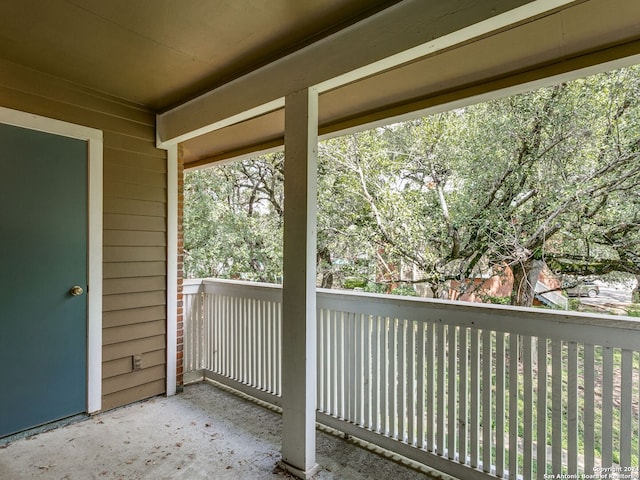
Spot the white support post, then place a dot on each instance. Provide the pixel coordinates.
(299, 285)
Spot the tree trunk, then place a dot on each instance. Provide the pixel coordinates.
(525, 277)
(635, 293)
(324, 261)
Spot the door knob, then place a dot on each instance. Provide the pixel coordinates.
(76, 291)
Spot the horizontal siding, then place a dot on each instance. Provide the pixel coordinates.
(133, 379)
(116, 172)
(117, 318)
(122, 237)
(133, 347)
(134, 303)
(134, 191)
(46, 107)
(123, 366)
(133, 269)
(133, 254)
(125, 333)
(131, 145)
(134, 238)
(133, 284)
(123, 397)
(145, 223)
(128, 158)
(128, 206)
(22, 79)
(128, 301)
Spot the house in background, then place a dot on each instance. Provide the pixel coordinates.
(499, 285)
(103, 103)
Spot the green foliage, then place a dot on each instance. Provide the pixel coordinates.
(404, 290)
(497, 300)
(633, 311)
(372, 287)
(232, 221)
(574, 304)
(457, 196)
(354, 282)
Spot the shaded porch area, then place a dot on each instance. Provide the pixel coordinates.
(206, 432)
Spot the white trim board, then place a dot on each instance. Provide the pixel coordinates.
(94, 261)
(172, 268)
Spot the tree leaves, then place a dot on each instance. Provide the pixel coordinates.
(453, 196)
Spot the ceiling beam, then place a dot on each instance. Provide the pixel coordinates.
(404, 32)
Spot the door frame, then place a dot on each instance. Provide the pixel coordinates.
(94, 244)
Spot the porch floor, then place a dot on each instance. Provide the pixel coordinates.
(205, 432)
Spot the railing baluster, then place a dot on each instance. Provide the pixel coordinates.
(350, 349)
(384, 381)
(452, 395)
(339, 365)
(320, 355)
(243, 325)
(360, 374)
(249, 342)
(402, 380)
(267, 347)
(513, 405)
(273, 342)
(463, 399)
(527, 355)
(213, 312)
(474, 427)
(336, 365)
(234, 337)
(261, 349)
(487, 366)
(556, 406)
(441, 336)
(500, 403)
(224, 338)
(411, 412)
(589, 409)
(205, 333)
(327, 373)
(626, 408)
(196, 328)
(572, 413)
(607, 407)
(392, 378)
(430, 357)
(541, 440)
(366, 355)
(244, 315)
(278, 348)
(420, 373)
(375, 373)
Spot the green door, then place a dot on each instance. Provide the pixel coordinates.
(43, 255)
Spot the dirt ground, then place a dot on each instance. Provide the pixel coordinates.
(203, 433)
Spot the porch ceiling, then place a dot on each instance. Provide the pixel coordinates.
(161, 53)
(158, 53)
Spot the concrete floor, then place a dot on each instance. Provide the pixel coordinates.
(203, 433)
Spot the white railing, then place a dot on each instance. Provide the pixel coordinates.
(476, 391)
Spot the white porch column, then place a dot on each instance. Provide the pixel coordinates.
(299, 285)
